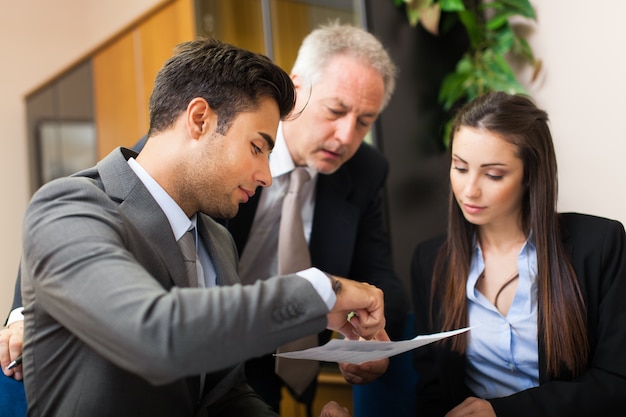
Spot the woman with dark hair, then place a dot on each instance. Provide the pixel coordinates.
(544, 292)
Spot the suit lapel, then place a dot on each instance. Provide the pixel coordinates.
(221, 255)
(335, 219)
(143, 212)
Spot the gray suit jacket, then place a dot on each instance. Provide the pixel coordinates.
(110, 329)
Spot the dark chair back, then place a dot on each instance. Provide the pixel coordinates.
(12, 397)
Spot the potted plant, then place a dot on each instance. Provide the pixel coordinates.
(491, 40)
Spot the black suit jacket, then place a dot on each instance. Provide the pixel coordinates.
(349, 235)
(597, 247)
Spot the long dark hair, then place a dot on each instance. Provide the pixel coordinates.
(561, 308)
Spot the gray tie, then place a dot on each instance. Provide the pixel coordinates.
(187, 246)
(293, 250)
(294, 256)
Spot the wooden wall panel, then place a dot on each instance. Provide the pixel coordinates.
(290, 24)
(159, 35)
(238, 22)
(115, 98)
(124, 73)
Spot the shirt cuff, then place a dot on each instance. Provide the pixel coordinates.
(322, 285)
(16, 315)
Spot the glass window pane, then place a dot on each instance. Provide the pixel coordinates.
(238, 22)
(241, 23)
(65, 147)
(292, 20)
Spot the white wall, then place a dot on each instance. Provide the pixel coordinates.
(581, 44)
(38, 40)
(582, 87)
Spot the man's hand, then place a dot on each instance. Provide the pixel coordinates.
(368, 371)
(332, 409)
(359, 310)
(474, 407)
(11, 339)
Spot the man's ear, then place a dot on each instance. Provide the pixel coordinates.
(200, 117)
(297, 80)
(303, 89)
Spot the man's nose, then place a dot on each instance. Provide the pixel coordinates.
(345, 129)
(264, 176)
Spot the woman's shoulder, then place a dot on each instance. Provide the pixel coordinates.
(589, 228)
(588, 222)
(432, 243)
(426, 251)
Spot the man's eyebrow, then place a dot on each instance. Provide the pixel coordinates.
(345, 107)
(268, 139)
(369, 115)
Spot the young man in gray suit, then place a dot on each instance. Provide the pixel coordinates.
(111, 325)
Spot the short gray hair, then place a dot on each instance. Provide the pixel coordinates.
(328, 41)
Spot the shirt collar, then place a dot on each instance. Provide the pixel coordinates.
(179, 222)
(527, 265)
(280, 159)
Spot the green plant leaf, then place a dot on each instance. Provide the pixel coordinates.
(447, 132)
(499, 19)
(448, 21)
(475, 84)
(415, 9)
(483, 66)
(521, 7)
(499, 65)
(503, 40)
(499, 76)
(452, 89)
(471, 26)
(465, 64)
(522, 48)
(508, 87)
(451, 5)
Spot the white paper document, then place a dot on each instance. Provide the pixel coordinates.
(357, 352)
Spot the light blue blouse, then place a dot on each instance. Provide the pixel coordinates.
(502, 355)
